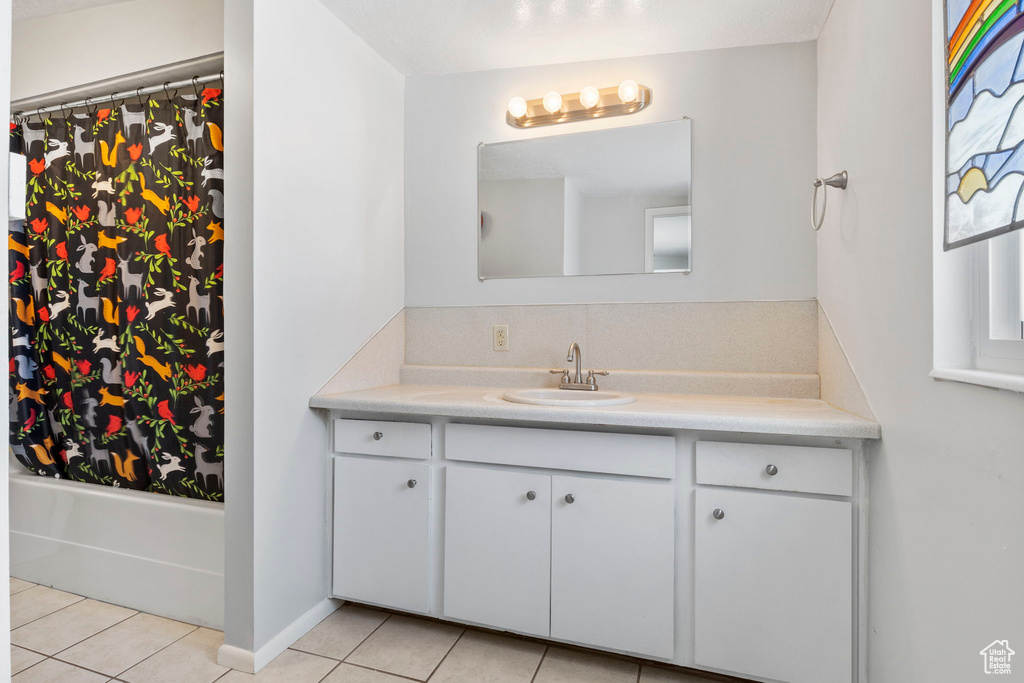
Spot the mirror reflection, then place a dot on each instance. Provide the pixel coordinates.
(605, 202)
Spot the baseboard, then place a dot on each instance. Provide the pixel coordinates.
(236, 658)
(252, 662)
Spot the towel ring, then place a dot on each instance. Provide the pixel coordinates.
(838, 181)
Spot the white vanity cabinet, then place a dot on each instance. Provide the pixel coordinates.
(381, 515)
(497, 550)
(740, 558)
(774, 573)
(613, 564)
(576, 558)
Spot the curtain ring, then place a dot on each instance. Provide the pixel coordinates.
(195, 86)
(39, 113)
(138, 93)
(95, 107)
(66, 114)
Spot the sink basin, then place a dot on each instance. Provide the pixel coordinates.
(567, 398)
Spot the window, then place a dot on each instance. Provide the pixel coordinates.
(998, 310)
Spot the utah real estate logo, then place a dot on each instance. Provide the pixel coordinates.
(997, 657)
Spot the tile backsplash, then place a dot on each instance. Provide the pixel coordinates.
(739, 337)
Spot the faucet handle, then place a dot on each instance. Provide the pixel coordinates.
(591, 373)
(564, 373)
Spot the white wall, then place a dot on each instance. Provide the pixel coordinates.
(754, 118)
(947, 480)
(239, 369)
(5, 600)
(522, 226)
(614, 231)
(327, 272)
(71, 49)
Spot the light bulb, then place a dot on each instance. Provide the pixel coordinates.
(517, 107)
(628, 91)
(553, 102)
(589, 97)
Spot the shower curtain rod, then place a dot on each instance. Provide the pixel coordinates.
(125, 94)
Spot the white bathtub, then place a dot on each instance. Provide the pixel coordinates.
(146, 551)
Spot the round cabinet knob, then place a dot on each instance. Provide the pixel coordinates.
(411, 483)
(531, 495)
(570, 499)
(772, 470)
(719, 513)
(377, 436)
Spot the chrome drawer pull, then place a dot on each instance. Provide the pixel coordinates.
(718, 513)
(377, 436)
(772, 470)
(570, 499)
(411, 483)
(531, 495)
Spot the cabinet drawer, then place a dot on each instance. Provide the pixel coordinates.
(374, 437)
(804, 469)
(639, 455)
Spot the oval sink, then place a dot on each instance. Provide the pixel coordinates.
(567, 398)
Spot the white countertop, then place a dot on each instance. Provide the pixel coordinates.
(797, 417)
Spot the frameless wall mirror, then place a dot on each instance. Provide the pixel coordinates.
(605, 202)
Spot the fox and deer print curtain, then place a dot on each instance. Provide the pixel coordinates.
(116, 355)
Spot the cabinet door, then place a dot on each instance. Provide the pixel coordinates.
(774, 582)
(381, 531)
(612, 564)
(497, 557)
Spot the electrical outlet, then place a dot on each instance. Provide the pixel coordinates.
(501, 337)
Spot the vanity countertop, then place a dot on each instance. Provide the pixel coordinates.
(795, 417)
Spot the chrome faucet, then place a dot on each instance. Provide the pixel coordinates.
(575, 354)
(577, 383)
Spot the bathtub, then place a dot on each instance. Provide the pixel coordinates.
(147, 551)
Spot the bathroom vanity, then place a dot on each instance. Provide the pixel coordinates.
(725, 534)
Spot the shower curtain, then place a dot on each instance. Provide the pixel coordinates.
(116, 354)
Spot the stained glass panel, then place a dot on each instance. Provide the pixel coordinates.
(984, 119)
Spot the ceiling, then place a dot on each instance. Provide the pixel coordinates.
(33, 9)
(450, 36)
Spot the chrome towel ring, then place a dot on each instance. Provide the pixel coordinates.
(838, 181)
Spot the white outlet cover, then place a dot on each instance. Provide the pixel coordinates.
(500, 333)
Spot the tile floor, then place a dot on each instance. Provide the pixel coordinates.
(60, 637)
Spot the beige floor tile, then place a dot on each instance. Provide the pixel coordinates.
(655, 674)
(568, 666)
(126, 644)
(407, 647)
(341, 632)
(487, 658)
(193, 659)
(291, 666)
(346, 673)
(22, 659)
(73, 624)
(31, 604)
(17, 585)
(52, 671)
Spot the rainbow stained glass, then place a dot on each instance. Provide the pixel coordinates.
(984, 119)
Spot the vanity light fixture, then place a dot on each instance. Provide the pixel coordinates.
(553, 102)
(628, 97)
(589, 97)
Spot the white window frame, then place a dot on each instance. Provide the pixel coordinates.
(649, 216)
(991, 355)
